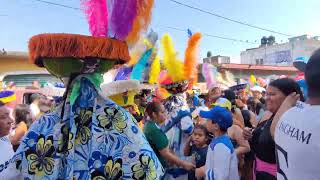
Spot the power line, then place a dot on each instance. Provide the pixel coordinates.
(57, 4)
(168, 27)
(229, 19)
(209, 35)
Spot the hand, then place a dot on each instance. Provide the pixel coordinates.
(247, 133)
(291, 100)
(199, 172)
(188, 166)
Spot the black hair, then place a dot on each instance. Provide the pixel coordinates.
(202, 96)
(230, 95)
(312, 74)
(255, 107)
(22, 113)
(137, 97)
(287, 86)
(34, 97)
(203, 128)
(153, 107)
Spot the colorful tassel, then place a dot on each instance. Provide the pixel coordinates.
(191, 58)
(137, 71)
(209, 72)
(142, 20)
(123, 73)
(123, 14)
(170, 61)
(155, 71)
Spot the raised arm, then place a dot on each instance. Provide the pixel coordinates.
(187, 147)
(244, 146)
(288, 103)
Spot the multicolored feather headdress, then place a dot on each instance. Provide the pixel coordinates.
(112, 24)
(180, 75)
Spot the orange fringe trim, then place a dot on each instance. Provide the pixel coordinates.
(76, 46)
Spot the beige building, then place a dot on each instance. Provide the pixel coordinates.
(15, 67)
(281, 54)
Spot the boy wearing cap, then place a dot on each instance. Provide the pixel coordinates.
(221, 163)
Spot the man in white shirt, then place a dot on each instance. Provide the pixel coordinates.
(34, 106)
(7, 168)
(297, 131)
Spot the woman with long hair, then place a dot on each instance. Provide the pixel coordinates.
(261, 141)
(23, 119)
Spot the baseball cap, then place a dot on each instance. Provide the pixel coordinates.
(219, 115)
(223, 102)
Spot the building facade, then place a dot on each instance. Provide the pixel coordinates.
(15, 67)
(244, 71)
(281, 54)
(215, 60)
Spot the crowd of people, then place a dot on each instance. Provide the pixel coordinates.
(112, 131)
(234, 134)
(263, 134)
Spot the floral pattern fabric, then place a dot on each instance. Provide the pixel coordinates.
(95, 139)
(178, 134)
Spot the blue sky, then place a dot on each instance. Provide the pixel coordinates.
(29, 17)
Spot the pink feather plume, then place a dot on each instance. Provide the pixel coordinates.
(97, 15)
(209, 75)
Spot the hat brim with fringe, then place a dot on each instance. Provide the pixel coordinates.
(122, 92)
(176, 87)
(119, 87)
(238, 87)
(60, 45)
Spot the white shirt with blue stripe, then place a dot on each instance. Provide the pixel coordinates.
(7, 167)
(222, 162)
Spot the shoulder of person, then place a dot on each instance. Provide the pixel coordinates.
(222, 141)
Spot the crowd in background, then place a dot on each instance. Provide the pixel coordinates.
(248, 117)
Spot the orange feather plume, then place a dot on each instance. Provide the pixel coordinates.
(142, 20)
(191, 58)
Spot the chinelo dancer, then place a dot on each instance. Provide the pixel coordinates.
(180, 77)
(89, 136)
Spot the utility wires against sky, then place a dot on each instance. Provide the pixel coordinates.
(229, 19)
(180, 29)
(57, 4)
(209, 35)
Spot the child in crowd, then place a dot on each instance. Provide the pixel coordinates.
(197, 147)
(221, 162)
(158, 139)
(23, 119)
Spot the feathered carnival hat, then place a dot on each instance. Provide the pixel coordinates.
(179, 75)
(128, 79)
(67, 54)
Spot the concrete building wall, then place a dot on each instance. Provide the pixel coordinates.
(15, 63)
(280, 54)
(245, 74)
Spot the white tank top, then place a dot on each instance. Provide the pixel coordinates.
(297, 138)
